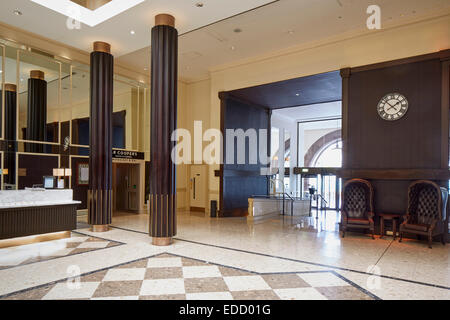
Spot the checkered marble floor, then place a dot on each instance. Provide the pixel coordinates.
(37, 252)
(171, 277)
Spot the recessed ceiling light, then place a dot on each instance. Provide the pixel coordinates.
(237, 30)
(297, 94)
(133, 32)
(199, 4)
(291, 32)
(17, 12)
(233, 48)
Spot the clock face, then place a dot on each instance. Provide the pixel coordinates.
(393, 106)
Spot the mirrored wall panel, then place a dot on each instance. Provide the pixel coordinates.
(44, 118)
(39, 99)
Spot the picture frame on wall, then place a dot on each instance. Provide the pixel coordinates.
(83, 174)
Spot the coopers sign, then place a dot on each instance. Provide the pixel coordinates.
(124, 154)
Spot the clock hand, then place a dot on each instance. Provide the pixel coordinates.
(389, 103)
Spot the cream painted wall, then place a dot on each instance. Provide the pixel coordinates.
(193, 105)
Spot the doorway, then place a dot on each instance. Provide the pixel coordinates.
(126, 188)
(197, 190)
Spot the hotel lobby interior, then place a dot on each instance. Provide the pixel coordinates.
(224, 150)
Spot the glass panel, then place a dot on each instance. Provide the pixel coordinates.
(2, 96)
(8, 76)
(125, 115)
(320, 143)
(80, 105)
(43, 103)
(287, 148)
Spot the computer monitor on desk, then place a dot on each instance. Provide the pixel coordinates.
(49, 182)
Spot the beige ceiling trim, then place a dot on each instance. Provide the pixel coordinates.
(58, 49)
(325, 42)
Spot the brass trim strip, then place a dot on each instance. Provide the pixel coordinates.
(6, 243)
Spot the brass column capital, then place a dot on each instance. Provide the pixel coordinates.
(10, 87)
(100, 46)
(37, 74)
(165, 19)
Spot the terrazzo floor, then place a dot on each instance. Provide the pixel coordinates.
(280, 258)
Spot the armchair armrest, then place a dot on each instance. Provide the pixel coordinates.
(406, 218)
(370, 216)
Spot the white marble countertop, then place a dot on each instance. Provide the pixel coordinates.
(35, 198)
(36, 204)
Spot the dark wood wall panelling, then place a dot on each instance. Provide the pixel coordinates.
(80, 192)
(393, 153)
(240, 182)
(34, 173)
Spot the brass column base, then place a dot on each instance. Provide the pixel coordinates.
(100, 228)
(161, 241)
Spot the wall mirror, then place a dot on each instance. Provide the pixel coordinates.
(39, 99)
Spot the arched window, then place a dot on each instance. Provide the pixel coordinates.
(330, 156)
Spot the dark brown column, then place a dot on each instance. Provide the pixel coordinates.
(10, 132)
(163, 122)
(100, 138)
(37, 110)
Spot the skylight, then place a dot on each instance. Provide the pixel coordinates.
(85, 15)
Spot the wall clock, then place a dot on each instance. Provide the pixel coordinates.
(393, 106)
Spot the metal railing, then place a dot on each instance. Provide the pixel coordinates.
(292, 203)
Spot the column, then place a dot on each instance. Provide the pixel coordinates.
(10, 132)
(164, 67)
(100, 138)
(37, 110)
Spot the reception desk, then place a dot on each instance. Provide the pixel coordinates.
(35, 212)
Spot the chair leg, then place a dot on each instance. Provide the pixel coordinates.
(430, 240)
(373, 234)
(401, 237)
(443, 239)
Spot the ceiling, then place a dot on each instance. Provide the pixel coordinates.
(283, 25)
(330, 110)
(208, 40)
(320, 88)
(140, 18)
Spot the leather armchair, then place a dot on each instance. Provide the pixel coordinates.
(427, 211)
(357, 207)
